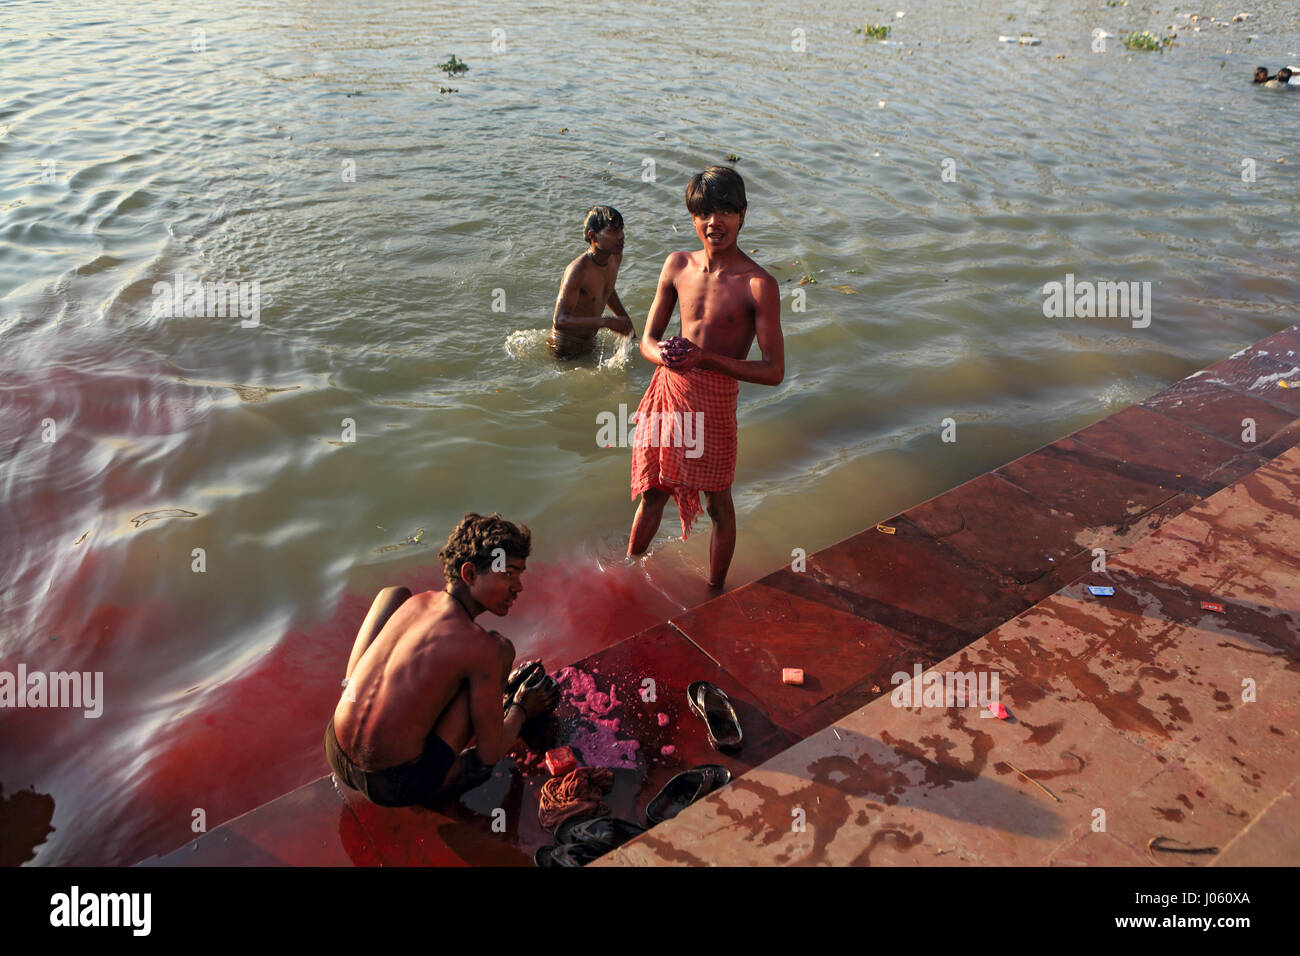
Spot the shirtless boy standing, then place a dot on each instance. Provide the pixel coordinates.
(424, 679)
(726, 301)
(588, 285)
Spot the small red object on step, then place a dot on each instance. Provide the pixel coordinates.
(1211, 606)
(560, 761)
(791, 675)
(998, 710)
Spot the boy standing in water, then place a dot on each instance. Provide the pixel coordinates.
(727, 301)
(588, 285)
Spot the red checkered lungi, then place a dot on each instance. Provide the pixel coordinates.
(681, 456)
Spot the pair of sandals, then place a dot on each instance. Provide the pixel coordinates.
(581, 839)
(714, 707)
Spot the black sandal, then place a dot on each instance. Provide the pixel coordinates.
(566, 854)
(604, 833)
(711, 703)
(684, 789)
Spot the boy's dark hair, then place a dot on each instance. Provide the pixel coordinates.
(1287, 78)
(476, 537)
(717, 189)
(598, 217)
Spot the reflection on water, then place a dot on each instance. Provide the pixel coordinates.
(382, 393)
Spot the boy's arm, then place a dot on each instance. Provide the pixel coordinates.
(624, 324)
(662, 309)
(770, 370)
(567, 301)
(495, 734)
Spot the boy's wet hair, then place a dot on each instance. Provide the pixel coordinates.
(1287, 77)
(477, 537)
(598, 218)
(1261, 74)
(717, 189)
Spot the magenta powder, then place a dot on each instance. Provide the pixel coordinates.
(601, 745)
(662, 718)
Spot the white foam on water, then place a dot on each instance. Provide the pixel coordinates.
(527, 343)
(611, 351)
(616, 354)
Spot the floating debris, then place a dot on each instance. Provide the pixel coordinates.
(453, 67)
(846, 289)
(410, 539)
(1145, 40)
(876, 31)
(143, 519)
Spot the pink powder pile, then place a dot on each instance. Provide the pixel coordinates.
(601, 745)
(662, 718)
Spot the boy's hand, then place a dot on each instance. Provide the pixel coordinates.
(620, 324)
(684, 358)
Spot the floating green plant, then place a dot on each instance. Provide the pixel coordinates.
(733, 158)
(453, 67)
(1146, 40)
(877, 32)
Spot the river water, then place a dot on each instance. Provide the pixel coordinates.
(186, 507)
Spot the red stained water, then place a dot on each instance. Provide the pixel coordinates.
(205, 720)
(259, 734)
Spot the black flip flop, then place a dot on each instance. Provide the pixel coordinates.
(566, 854)
(604, 833)
(711, 703)
(684, 789)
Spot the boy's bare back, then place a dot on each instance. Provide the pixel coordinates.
(416, 664)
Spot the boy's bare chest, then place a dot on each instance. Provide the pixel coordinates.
(597, 284)
(718, 300)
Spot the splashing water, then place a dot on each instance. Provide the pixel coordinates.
(616, 353)
(611, 351)
(527, 344)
